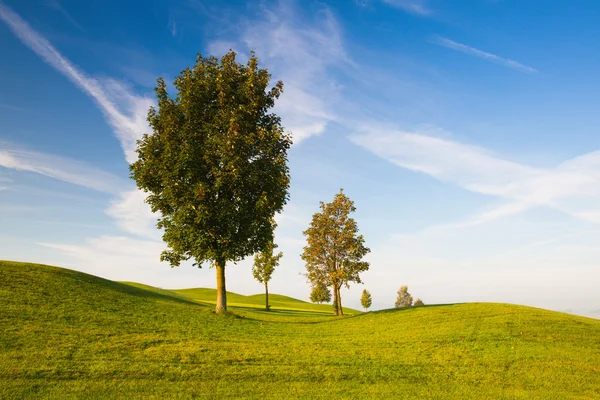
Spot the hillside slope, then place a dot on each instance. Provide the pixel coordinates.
(64, 334)
(276, 301)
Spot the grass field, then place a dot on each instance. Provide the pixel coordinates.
(65, 334)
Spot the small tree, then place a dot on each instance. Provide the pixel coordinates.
(320, 294)
(418, 302)
(404, 298)
(215, 166)
(264, 265)
(365, 299)
(335, 250)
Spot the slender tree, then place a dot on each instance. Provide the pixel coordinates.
(265, 263)
(365, 299)
(418, 302)
(320, 294)
(215, 166)
(404, 298)
(334, 252)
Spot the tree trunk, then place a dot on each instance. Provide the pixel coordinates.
(267, 297)
(339, 300)
(221, 292)
(335, 301)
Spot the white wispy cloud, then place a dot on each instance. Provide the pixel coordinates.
(61, 168)
(300, 52)
(507, 62)
(124, 111)
(133, 215)
(12, 107)
(572, 187)
(55, 4)
(418, 7)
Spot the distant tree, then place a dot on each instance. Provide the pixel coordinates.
(335, 250)
(215, 166)
(265, 263)
(365, 299)
(404, 298)
(320, 294)
(418, 302)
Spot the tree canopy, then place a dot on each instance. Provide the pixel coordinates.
(334, 252)
(365, 299)
(404, 299)
(215, 166)
(320, 294)
(265, 263)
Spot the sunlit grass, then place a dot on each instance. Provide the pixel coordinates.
(64, 334)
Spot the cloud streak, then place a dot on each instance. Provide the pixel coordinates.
(129, 125)
(573, 187)
(124, 111)
(300, 52)
(13, 108)
(133, 215)
(58, 7)
(442, 41)
(418, 7)
(61, 168)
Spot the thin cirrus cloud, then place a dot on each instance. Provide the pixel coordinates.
(418, 7)
(573, 187)
(55, 4)
(125, 112)
(12, 107)
(61, 168)
(445, 42)
(133, 215)
(301, 54)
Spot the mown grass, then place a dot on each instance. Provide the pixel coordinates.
(64, 334)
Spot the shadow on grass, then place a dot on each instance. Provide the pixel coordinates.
(140, 292)
(324, 317)
(58, 276)
(409, 309)
(283, 312)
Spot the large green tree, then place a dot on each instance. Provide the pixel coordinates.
(215, 166)
(334, 252)
(264, 265)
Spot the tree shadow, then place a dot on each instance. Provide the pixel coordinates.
(408, 309)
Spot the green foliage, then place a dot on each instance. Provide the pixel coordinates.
(404, 298)
(265, 263)
(215, 166)
(418, 302)
(365, 299)
(69, 335)
(320, 294)
(335, 250)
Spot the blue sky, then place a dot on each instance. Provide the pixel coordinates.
(466, 134)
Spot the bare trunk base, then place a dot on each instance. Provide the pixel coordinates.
(267, 307)
(335, 302)
(339, 305)
(221, 291)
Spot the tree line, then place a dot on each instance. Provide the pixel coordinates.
(215, 170)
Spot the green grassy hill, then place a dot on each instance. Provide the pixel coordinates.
(278, 302)
(65, 334)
